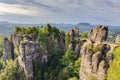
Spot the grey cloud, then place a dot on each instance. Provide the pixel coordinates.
(97, 11)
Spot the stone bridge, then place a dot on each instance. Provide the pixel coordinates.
(111, 44)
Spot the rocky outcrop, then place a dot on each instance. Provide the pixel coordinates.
(76, 31)
(8, 48)
(74, 36)
(77, 50)
(98, 33)
(27, 51)
(61, 40)
(93, 63)
(27, 55)
(70, 47)
(95, 54)
(117, 40)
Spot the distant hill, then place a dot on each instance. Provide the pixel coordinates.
(84, 26)
(7, 27)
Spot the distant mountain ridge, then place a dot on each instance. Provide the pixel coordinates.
(7, 27)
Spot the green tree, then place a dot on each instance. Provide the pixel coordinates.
(11, 71)
(113, 72)
(84, 35)
(67, 39)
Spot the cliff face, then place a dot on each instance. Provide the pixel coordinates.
(95, 54)
(28, 52)
(92, 63)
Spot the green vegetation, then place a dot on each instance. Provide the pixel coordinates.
(10, 71)
(94, 48)
(67, 39)
(61, 65)
(92, 78)
(84, 35)
(114, 70)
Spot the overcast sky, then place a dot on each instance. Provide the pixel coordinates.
(105, 12)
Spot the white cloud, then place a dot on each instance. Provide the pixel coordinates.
(94, 11)
(16, 9)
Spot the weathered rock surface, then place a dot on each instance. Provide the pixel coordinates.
(77, 50)
(98, 33)
(27, 55)
(96, 54)
(8, 48)
(72, 36)
(70, 47)
(76, 31)
(61, 40)
(92, 64)
(117, 40)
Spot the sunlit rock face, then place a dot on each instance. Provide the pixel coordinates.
(28, 51)
(98, 33)
(117, 40)
(94, 60)
(76, 31)
(92, 63)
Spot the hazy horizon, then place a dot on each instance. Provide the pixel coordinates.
(102, 12)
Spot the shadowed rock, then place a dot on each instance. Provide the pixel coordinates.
(6, 48)
(72, 36)
(77, 50)
(61, 40)
(27, 54)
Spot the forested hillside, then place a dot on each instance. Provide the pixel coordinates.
(48, 53)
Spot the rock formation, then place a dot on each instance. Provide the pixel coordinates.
(117, 40)
(76, 31)
(77, 50)
(95, 60)
(93, 63)
(61, 40)
(74, 35)
(27, 55)
(6, 48)
(98, 33)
